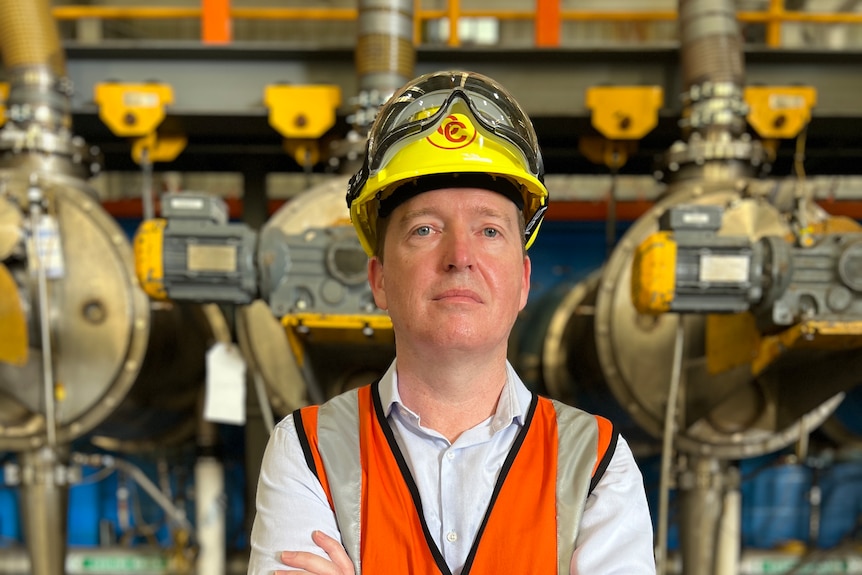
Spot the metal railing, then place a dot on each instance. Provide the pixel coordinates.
(547, 16)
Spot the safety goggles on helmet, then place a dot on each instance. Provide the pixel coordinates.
(420, 107)
(457, 124)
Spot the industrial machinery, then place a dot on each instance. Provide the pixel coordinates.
(302, 277)
(306, 322)
(90, 371)
(726, 321)
(724, 326)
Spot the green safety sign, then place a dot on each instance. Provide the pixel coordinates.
(833, 566)
(118, 564)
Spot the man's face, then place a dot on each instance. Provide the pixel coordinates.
(455, 275)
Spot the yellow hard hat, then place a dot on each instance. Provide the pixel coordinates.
(448, 129)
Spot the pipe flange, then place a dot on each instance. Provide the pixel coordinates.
(34, 140)
(699, 151)
(712, 90)
(716, 113)
(714, 104)
(347, 151)
(366, 104)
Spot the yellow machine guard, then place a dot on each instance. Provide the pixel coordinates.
(302, 111)
(159, 149)
(779, 111)
(624, 112)
(4, 97)
(149, 263)
(13, 322)
(654, 274)
(132, 110)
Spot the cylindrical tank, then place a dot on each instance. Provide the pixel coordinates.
(609, 346)
(123, 370)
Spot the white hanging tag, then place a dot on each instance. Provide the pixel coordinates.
(225, 391)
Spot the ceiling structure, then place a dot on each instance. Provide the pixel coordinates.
(219, 102)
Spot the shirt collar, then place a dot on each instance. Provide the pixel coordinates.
(513, 405)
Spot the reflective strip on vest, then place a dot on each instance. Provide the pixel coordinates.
(546, 513)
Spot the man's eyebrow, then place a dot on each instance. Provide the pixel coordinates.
(494, 213)
(420, 213)
(484, 211)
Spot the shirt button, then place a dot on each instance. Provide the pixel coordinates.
(452, 537)
(450, 455)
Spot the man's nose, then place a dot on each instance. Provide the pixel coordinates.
(459, 250)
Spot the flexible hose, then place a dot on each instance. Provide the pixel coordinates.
(385, 55)
(29, 36)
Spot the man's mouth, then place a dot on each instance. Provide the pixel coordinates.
(459, 295)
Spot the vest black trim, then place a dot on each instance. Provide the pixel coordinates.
(408, 478)
(414, 490)
(303, 441)
(504, 472)
(605, 462)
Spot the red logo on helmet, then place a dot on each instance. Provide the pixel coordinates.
(455, 132)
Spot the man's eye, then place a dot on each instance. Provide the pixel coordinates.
(491, 233)
(423, 231)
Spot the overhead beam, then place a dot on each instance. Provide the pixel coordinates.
(219, 91)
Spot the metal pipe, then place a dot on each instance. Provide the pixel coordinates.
(701, 502)
(263, 401)
(713, 70)
(28, 36)
(176, 514)
(730, 533)
(35, 63)
(717, 146)
(710, 43)
(39, 101)
(210, 515)
(667, 449)
(38, 262)
(385, 55)
(44, 492)
(147, 201)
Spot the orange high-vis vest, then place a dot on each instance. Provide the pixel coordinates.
(532, 519)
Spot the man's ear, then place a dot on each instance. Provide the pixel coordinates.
(375, 279)
(525, 282)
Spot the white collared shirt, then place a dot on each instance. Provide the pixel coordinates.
(455, 481)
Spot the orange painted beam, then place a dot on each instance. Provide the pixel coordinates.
(548, 23)
(124, 12)
(773, 27)
(216, 24)
(558, 211)
(586, 211)
(318, 14)
(454, 15)
(619, 15)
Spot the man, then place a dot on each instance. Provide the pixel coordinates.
(449, 464)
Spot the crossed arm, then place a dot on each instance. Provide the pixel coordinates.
(310, 563)
(294, 528)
